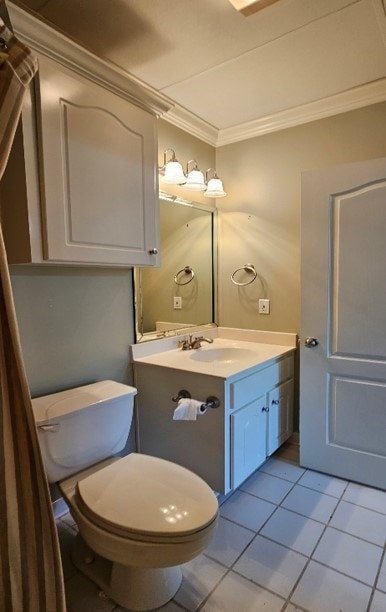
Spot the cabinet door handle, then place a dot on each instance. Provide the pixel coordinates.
(265, 409)
(153, 251)
(275, 402)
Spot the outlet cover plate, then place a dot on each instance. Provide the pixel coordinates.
(264, 306)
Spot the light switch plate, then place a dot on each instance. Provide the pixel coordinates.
(177, 303)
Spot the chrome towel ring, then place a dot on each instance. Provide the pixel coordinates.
(250, 269)
(178, 277)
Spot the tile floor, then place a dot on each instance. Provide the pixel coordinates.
(288, 539)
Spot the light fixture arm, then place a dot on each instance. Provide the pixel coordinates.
(191, 161)
(207, 173)
(173, 157)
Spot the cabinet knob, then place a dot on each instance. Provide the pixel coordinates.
(275, 402)
(153, 251)
(265, 409)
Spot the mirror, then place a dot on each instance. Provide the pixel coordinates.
(180, 293)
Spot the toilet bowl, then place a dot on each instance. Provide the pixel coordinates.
(139, 517)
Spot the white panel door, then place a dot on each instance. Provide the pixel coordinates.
(343, 373)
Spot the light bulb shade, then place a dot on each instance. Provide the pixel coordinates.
(174, 175)
(195, 181)
(215, 189)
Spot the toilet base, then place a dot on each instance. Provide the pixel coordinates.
(135, 588)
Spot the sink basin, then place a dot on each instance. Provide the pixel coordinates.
(223, 355)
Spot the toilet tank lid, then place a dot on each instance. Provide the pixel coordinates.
(58, 405)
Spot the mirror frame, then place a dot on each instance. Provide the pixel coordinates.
(141, 336)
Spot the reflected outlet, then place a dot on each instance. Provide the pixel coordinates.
(263, 306)
(177, 303)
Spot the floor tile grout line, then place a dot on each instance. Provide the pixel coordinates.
(353, 535)
(374, 588)
(370, 586)
(363, 507)
(310, 557)
(297, 582)
(259, 470)
(225, 518)
(257, 533)
(261, 586)
(230, 568)
(317, 490)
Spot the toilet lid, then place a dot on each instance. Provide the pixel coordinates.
(148, 495)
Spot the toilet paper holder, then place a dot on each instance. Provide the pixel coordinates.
(211, 401)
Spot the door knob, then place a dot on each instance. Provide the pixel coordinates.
(311, 342)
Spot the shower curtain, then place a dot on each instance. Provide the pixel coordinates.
(30, 568)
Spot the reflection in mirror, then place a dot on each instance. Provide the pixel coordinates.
(178, 294)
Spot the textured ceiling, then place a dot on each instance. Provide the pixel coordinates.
(225, 68)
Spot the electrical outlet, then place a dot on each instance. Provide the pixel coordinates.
(263, 306)
(177, 303)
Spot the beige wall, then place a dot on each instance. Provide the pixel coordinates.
(260, 218)
(75, 324)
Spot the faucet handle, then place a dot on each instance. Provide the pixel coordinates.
(184, 344)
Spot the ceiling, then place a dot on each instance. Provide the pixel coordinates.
(229, 76)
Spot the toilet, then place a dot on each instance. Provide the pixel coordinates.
(139, 517)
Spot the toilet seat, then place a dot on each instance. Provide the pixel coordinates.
(149, 499)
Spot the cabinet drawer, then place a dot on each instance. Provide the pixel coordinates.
(245, 390)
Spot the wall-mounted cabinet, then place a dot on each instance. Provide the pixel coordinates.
(81, 183)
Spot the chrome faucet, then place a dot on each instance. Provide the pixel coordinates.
(193, 343)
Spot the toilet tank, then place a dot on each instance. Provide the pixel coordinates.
(81, 426)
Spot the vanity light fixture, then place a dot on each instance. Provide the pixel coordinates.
(194, 178)
(215, 187)
(172, 172)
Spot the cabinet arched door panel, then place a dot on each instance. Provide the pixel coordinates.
(98, 157)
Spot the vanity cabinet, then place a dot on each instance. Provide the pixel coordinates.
(227, 444)
(81, 184)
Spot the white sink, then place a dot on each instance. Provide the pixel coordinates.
(223, 355)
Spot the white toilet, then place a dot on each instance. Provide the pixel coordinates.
(139, 517)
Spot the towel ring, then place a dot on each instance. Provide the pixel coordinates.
(250, 269)
(186, 270)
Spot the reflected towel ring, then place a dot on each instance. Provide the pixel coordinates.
(250, 269)
(186, 270)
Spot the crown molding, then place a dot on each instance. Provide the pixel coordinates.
(44, 39)
(188, 121)
(358, 97)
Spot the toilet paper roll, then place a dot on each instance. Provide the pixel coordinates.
(188, 409)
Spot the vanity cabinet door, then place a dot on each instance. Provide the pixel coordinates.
(95, 163)
(248, 440)
(280, 415)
